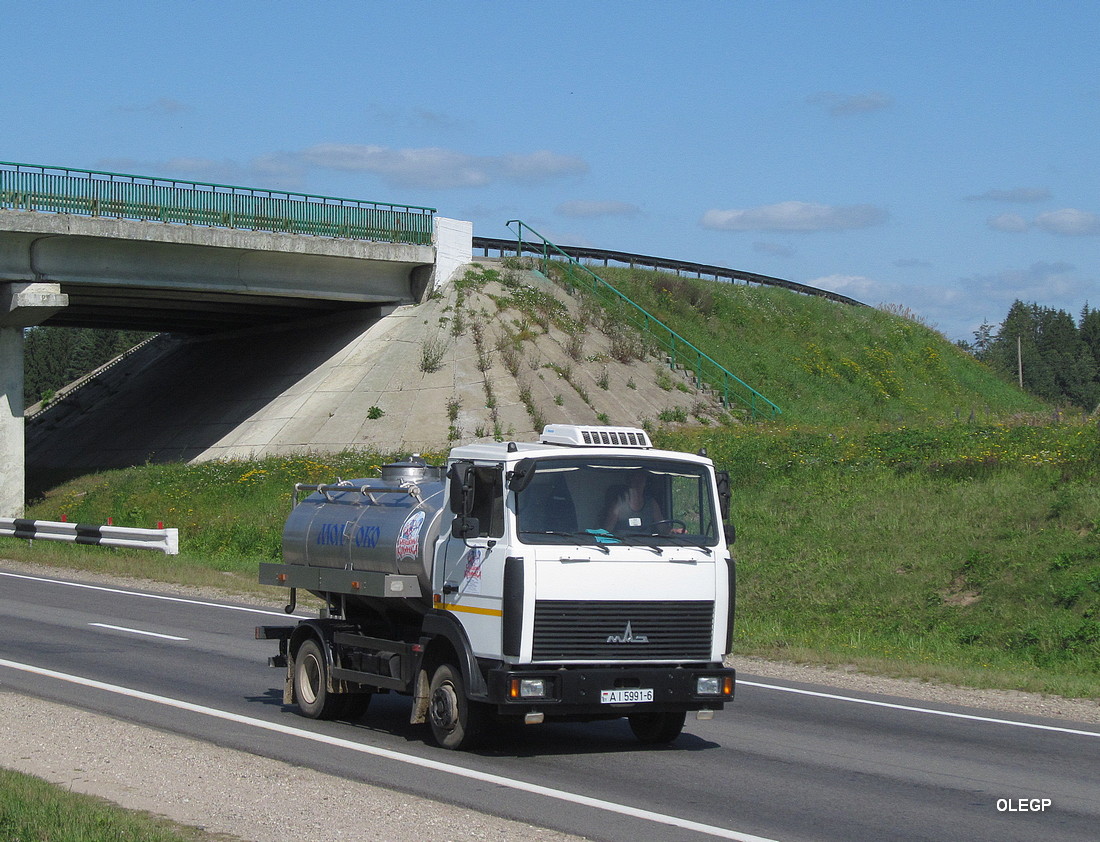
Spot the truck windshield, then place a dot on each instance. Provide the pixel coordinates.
(607, 501)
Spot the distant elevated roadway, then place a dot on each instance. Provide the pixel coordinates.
(81, 248)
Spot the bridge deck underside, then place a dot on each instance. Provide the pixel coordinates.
(177, 311)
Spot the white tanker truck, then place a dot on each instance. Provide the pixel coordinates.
(586, 576)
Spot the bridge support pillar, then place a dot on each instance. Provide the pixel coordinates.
(21, 305)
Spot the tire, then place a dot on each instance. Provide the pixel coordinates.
(456, 722)
(311, 683)
(657, 728)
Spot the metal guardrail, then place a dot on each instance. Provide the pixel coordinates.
(681, 351)
(505, 246)
(166, 541)
(123, 196)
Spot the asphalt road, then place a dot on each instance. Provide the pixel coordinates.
(784, 762)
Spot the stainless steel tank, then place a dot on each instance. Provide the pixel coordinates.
(387, 525)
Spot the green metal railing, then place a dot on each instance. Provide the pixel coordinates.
(708, 373)
(122, 196)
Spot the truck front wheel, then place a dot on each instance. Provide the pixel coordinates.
(657, 728)
(456, 722)
(311, 683)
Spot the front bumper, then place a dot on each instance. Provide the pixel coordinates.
(577, 691)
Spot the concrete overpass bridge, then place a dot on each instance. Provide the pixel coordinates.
(81, 248)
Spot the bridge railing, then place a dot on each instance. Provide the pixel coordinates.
(708, 373)
(607, 256)
(123, 196)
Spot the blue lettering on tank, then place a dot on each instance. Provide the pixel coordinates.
(367, 536)
(330, 535)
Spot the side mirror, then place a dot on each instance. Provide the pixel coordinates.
(461, 477)
(520, 477)
(465, 527)
(724, 494)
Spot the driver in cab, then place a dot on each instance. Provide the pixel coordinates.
(631, 508)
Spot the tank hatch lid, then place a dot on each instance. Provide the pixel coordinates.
(577, 435)
(414, 468)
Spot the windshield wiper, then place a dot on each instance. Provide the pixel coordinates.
(638, 539)
(545, 532)
(683, 541)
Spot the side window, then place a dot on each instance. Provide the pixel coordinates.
(489, 501)
(691, 504)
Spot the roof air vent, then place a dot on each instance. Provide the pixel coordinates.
(575, 435)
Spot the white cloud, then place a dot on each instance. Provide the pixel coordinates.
(795, 216)
(1011, 222)
(277, 164)
(417, 119)
(1017, 194)
(587, 208)
(957, 308)
(1069, 222)
(858, 287)
(435, 167)
(539, 166)
(428, 167)
(774, 249)
(1040, 281)
(844, 105)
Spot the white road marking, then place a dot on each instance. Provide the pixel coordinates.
(435, 765)
(137, 631)
(155, 596)
(913, 709)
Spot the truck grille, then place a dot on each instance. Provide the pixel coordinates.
(622, 631)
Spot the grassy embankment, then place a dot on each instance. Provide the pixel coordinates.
(907, 513)
(32, 810)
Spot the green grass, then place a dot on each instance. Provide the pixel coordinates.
(822, 362)
(32, 810)
(963, 554)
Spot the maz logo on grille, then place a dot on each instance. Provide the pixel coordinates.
(628, 636)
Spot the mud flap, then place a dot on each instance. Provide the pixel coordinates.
(419, 713)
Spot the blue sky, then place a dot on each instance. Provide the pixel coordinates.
(939, 156)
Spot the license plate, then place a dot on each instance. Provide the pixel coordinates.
(626, 697)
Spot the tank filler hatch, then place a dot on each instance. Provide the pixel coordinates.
(576, 435)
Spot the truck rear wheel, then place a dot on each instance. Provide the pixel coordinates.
(657, 728)
(311, 683)
(456, 722)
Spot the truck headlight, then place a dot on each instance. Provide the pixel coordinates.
(529, 688)
(532, 688)
(708, 685)
(714, 685)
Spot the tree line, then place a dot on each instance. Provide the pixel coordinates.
(1057, 358)
(56, 356)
